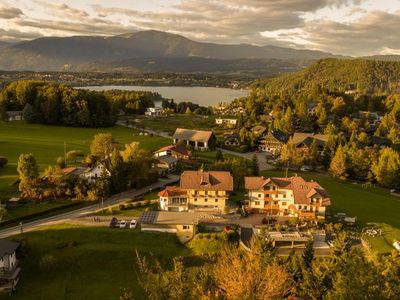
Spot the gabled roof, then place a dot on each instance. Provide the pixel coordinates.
(258, 129)
(311, 104)
(307, 138)
(192, 135)
(174, 148)
(207, 180)
(278, 135)
(171, 191)
(7, 247)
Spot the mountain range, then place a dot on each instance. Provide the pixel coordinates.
(147, 51)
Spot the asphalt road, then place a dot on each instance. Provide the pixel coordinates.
(115, 199)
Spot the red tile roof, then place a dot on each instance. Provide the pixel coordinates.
(302, 190)
(178, 149)
(207, 180)
(171, 191)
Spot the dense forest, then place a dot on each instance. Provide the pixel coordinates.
(60, 104)
(340, 75)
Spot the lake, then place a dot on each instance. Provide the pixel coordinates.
(205, 96)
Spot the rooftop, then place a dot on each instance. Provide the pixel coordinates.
(207, 180)
(7, 247)
(192, 135)
(169, 217)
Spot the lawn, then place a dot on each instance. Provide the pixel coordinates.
(91, 262)
(47, 143)
(169, 124)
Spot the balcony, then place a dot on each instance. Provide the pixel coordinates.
(273, 206)
(306, 214)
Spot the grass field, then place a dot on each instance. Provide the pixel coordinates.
(169, 124)
(47, 143)
(91, 262)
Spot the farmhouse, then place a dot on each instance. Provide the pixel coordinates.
(14, 115)
(166, 163)
(9, 270)
(286, 197)
(183, 224)
(232, 140)
(178, 152)
(221, 121)
(273, 141)
(88, 174)
(198, 139)
(153, 111)
(303, 141)
(198, 191)
(311, 108)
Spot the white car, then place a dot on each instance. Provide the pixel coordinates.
(122, 224)
(396, 244)
(132, 224)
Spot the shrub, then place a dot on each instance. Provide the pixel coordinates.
(208, 236)
(3, 161)
(121, 207)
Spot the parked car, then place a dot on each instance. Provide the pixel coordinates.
(122, 224)
(114, 222)
(132, 224)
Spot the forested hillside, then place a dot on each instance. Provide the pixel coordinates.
(362, 75)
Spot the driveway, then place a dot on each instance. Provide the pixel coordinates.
(81, 212)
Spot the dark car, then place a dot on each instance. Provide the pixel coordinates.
(114, 223)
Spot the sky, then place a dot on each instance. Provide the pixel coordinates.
(347, 27)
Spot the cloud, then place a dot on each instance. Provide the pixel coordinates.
(350, 27)
(7, 12)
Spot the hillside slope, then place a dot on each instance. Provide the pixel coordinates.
(54, 53)
(364, 76)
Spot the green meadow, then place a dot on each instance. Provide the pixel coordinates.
(47, 143)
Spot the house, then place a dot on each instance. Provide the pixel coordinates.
(286, 197)
(183, 224)
(221, 121)
(199, 139)
(153, 111)
(16, 115)
(258, 130)
(167, 163)
(232, 140)
(87, 174)
(178, 152)
(311, 107)
(198, 191)
(273, 141)
(304, 140)
(9, 270)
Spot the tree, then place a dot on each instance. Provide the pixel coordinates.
(29, 113)
(118, 180)
(338, 164)
(255, 170)
(308, 254)
(102, 145)
(387, 168)
(219, 156)
(188, 111)
(28, 174)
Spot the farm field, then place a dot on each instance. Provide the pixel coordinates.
(95, 262)
(47, 143)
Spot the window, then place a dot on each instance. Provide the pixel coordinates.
(283, 203)
(284, 195)
(268, 188)
(299, 206)
(216, 200)
(259, 195)
(195, 199)
(276, 203)
(257, 203)
(185, 227)
(266, 195)
(206, 200)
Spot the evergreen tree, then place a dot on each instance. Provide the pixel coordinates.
(118, 180)
(308, 254)
(255, 169)
(387, 168)
(219, 156)
(338, 166)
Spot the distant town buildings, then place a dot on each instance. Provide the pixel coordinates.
(153, 111)
(221, 121)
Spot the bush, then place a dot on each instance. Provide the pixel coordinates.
(47, 262)
(3, 161)
(121, 207)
